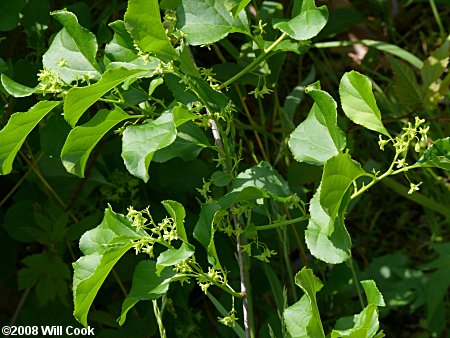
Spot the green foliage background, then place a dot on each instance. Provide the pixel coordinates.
(401, 241)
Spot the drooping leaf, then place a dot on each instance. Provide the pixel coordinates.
(306, 24)
(365, 324)
(76, 47)
(207, 21)
(318, 138)
(17, 129)
(139, 143)
(406, 87)
(358, 102)
(303, 319)
(143, 21)
(204, 232)
(326, 235)
(327, 239)
(102, 248)
(338, 175)
(174, 256)
(16, 89)
(177, 212)
(82, 139)
(79, 99)
(146, 285)
(190, 141)
(437, 155)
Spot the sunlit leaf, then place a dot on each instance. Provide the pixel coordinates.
(204, 231)
(327, 239)
(318, 138)
(82, 139)
(358, 102)
(306, 24)
(207, 21)
(102, 248)
(338, 175)
(365, 324)
(76, 47)
(16, 89)
(79, 99)
(177, 212)
(174, 256)
(143, 21)
(13, 135)
(303, 319)
(140, 142)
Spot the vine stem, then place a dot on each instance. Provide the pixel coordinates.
(254, 63)
(281, 224)
(243, 267)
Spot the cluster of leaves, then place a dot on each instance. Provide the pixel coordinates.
(146, 86)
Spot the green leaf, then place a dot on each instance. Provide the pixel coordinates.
(307, 24)
(374, 296)
(326, 235)
(102, 248)
(143, 21)
(406, 87)
(79, 99)
(215, 101)
(237, 9)
(358, 102)
(177, 212)
(139, 143)
(366, 323)
(76, 46)
(82, 139)
(256, 182)
(181, 115)
(174, 256)
(84, 40)
(318, 138)
(303, 319)
(297, 316)
(17, 129)
(204, 232)
(327, 239)
(48, 273)
(207, 21)
(16, 89)
(121, 48)
(438, 155)
(338, 175)
(146, 285)
(190, 141)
